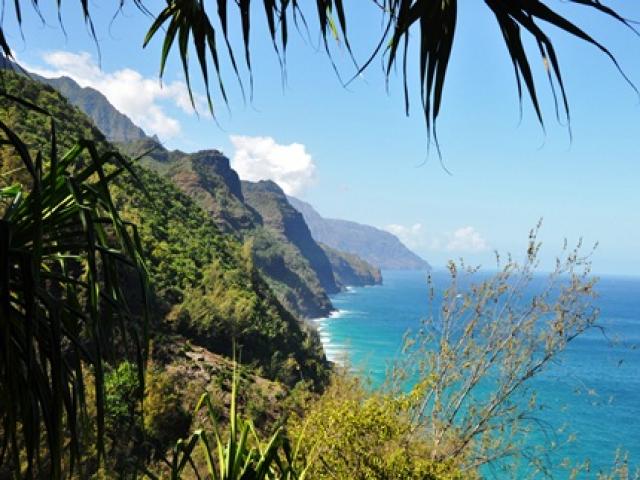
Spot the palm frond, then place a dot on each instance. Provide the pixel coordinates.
(436, 22)
(190, 23)
(64, 251)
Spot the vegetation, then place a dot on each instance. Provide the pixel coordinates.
(204, 283)
(350, 433)
(64, 248)
(242, 455)
(459, 397)
(351, 270)
(72, 258)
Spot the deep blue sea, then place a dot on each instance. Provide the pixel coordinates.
(595, 388)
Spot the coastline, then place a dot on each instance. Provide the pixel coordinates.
(334, 352)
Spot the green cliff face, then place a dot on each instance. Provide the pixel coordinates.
(204, 282)
(298, 270)
(208, 179)
(351, 270)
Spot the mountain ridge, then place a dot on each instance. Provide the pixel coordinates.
(204, 284)
(298, 269)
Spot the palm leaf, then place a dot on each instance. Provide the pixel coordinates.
(63, 246)
(435, 21)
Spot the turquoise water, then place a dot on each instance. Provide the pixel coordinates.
(596, 387)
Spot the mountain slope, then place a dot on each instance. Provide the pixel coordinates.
(267, 198)
(351, 270)
(114, 125)
(205, 286)
(377, 247)
(296, 268)
(207, 178)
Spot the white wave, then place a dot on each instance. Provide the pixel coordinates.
(337, 355)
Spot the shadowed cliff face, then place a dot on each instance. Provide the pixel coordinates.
(268, 199)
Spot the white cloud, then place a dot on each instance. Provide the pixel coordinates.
(467, 239)
(261, 158)
(140, 98)
(413, 236)
(463, 240)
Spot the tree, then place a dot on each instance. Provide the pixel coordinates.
(459, 396)
(481, 344)
(191, 23)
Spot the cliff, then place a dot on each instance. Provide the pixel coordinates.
(207, 177)
(267, 198)
(297, 269)
(351, 270)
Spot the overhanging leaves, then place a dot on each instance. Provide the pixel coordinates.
(193, 26)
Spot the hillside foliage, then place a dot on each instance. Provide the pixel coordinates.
(204, 283)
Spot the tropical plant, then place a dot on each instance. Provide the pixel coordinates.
(243, 455)
(461, 396)
(72, 280)
(435, 20)
(352, 432)
(190, 24)
(471, 364)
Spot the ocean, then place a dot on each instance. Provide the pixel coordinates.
(594, 389)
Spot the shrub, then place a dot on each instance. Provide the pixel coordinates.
(165, 420)
(349, 433)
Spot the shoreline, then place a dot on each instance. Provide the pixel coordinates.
(335, 353)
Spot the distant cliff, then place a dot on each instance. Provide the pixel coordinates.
(378, 247)
(267, 198)
(351, 270)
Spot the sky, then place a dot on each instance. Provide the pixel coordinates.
(354, 154)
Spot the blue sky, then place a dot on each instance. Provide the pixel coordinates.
(353, 153)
